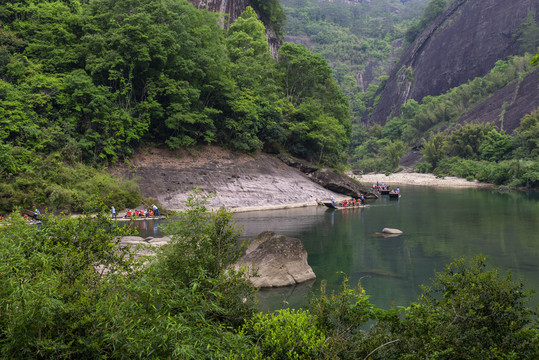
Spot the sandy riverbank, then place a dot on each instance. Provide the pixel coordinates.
(403, 178)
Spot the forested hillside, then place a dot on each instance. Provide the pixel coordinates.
(360, 39)
(445, 81)
(468, 104)
(85, 83)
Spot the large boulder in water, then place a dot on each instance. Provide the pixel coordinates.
(277, 261)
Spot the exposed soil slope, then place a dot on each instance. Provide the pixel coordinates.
(239, 180)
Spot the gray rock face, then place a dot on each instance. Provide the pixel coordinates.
(302, 166)
(239, 180)
(277, 260)
(463, 43)
(513, 101)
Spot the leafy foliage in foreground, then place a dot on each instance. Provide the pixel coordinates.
(467, 312)
(68, 290)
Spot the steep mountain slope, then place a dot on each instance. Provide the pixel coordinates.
(463, 43)
(507, 106)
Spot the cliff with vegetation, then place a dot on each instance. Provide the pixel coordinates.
(461, 44)
(269, 12)
(463, 98)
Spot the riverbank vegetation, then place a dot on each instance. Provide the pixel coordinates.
(86, 83)
(69, 291)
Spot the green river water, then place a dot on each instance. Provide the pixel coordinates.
(439, 225)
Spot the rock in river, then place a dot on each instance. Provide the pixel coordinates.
(391, 231)
(278, 261)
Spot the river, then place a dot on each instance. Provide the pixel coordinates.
(439, 225)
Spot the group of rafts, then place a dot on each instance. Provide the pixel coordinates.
(381, 189)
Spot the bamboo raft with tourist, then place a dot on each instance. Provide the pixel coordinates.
(346, 204)
(383, 189)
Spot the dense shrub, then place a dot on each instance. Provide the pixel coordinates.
(509, 172)
(423, 167)
(63, 187)
(286, 334)
(68, 290)
(468, 312)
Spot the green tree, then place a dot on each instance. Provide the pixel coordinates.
(394, 151)
(468, 312)
(432, 11)
(435, 149)
(304, 73)
(495, 145)
(317, 101)
(163, 61)
(330, 136)
(253, 68)
(466, 140)
(271, 12)
(526, 136)
(527, 34)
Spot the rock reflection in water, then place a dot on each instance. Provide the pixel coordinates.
(287, 296)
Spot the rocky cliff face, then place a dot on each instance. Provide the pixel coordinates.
(234, 8)
(507, 106)
(463, 43)
(239, 180)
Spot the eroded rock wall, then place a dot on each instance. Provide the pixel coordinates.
(239, 180)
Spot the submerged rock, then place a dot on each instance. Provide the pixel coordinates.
(379, 272)
(277, 261)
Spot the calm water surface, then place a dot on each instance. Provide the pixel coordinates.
(439, 225)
